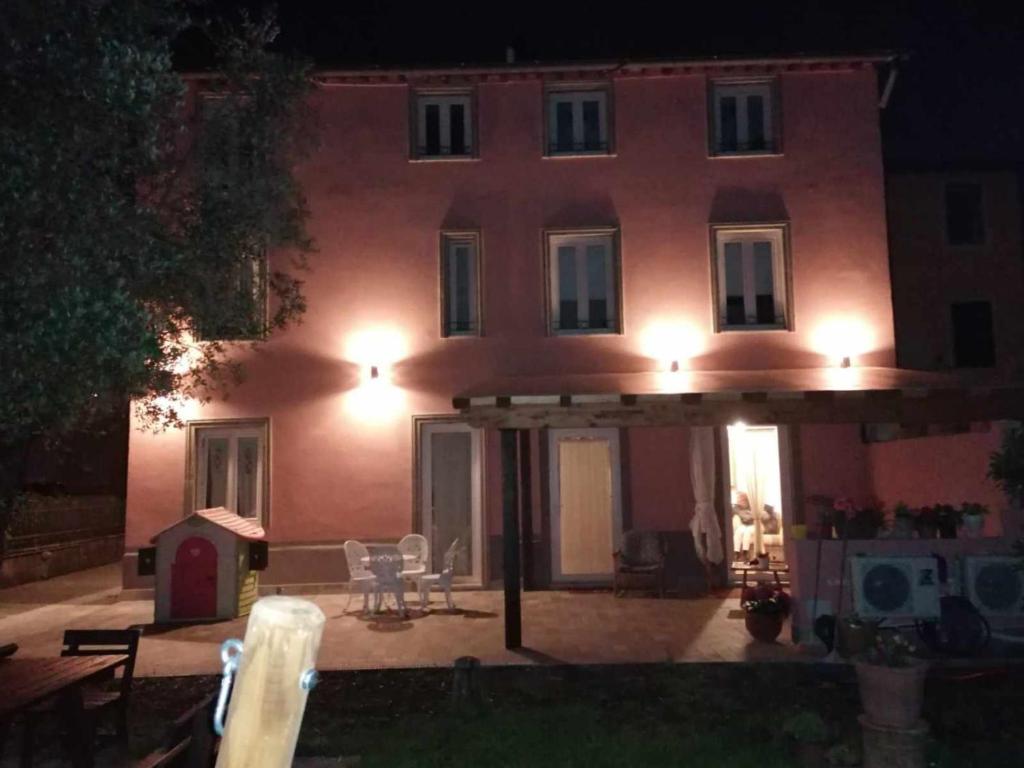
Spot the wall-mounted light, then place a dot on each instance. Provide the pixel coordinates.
(674, 367)
(375, 374)
(845, 362)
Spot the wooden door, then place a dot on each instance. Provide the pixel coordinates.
(586, 518)
(194, 580)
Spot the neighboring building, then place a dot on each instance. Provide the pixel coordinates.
(957, 263)
(603, 257)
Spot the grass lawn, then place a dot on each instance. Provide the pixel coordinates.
(652, 715)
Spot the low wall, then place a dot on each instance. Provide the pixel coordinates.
(54, 535)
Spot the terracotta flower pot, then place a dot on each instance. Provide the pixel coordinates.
(764, 627)
(891, 696)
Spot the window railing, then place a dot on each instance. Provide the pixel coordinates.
(573, 147)
(461, 327)
(759, 145)
(424, 150)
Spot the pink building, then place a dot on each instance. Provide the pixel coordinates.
(602, 258)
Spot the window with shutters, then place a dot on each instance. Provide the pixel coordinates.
(228, 466)
(578, 122)
(443, 126)
(744, 118)
(583, 273)
(460, 288)
(751, 278)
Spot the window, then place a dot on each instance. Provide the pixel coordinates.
(444, 125)
(583, 272)
(751, 275)
(233, 304)
(974, 344)
(742, 118)
(965, 222)
(228, 465)
(577, 122)
(460, 268)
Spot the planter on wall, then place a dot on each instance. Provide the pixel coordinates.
(891, 696)
(973, 525)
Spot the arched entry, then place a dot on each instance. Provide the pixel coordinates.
(194, 580)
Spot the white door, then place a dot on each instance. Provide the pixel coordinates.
(451, 476)
(586, 504)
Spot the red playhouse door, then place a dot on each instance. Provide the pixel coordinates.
(194, 580)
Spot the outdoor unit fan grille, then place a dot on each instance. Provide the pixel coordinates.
(888, 588)
(997, 588)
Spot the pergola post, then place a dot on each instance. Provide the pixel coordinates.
(510, 535)
(526, 509)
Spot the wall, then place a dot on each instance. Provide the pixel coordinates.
(834, 462)
(948, 469)
(341, 452)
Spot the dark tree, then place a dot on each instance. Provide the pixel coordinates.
(137, 209)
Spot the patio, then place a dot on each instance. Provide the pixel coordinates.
(570, 627)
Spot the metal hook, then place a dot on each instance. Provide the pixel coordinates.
(309, 679)
(230, 652)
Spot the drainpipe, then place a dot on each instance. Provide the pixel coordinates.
(887, 90)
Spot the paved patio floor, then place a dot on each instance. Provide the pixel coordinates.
(558, 627)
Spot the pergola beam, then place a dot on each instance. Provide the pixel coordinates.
(884, 406)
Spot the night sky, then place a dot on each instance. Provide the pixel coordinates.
(957, 102)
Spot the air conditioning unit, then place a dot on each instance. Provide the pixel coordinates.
(889, 587)
(995, 584)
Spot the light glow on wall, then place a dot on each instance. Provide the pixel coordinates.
(843, 337)
(673, 344)
(375, 351)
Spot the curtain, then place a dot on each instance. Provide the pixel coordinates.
(707, 535)
(749, 467)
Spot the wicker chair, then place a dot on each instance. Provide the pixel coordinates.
(642, 558)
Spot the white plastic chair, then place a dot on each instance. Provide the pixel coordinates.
(442, 580)
(415, 545)
(387, 570)
(359, 575)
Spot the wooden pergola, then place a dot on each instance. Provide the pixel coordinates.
(516, 405)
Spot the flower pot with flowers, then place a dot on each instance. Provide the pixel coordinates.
(948, 519)
(972, 516)
(865, 522)
(891, 681)
(902, 521)
(764, 612)
(927, 523)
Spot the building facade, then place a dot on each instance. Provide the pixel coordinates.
(957, 270)
(476, 225)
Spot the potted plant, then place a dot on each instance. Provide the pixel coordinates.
(972, 516)
(807, 735)
(902, 521)
(865, 523)
(764, 614)
(927, 523)
(891, 682)
(854, 635)
(842, 510)
(1006, 466)
(948, 518)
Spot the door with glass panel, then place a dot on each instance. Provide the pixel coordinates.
(229, 469)
(451, 495)
(586, 503)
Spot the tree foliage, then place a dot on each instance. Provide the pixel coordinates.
(136, 207)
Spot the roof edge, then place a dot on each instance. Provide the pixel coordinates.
(599, 65)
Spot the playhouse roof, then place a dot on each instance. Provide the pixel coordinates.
(243, 527)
